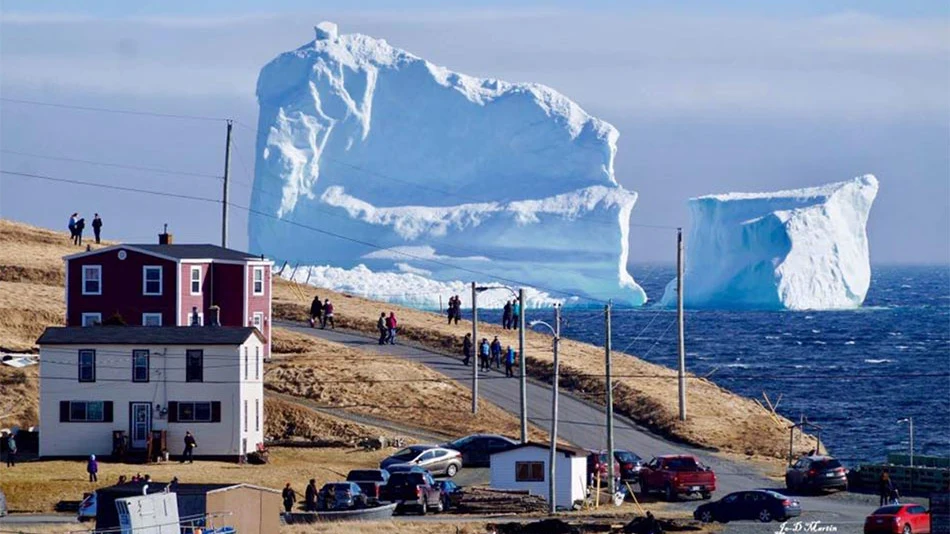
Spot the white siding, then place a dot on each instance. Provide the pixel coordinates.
(223, 382)
(570, 472)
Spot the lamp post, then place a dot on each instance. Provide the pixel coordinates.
(552, 486)
(910, 422)
(522, 372)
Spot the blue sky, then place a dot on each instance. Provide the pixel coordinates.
(708, 97)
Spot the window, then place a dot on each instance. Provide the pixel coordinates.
(87, 365)
(247, 365)
(85, 411)
(258, 280)
(191, 319)
(194, 365)
(258, 321)
(92, 280)
(245, 415)
(152, 280)
(257, 415)
(529, 471)
(91, 319)
(257, 363)
(151, 319)
(194, 412)
(140, 371)
(196, 280)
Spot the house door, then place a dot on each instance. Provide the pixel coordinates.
(140, 424)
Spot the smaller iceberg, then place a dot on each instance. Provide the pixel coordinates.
(804, 249)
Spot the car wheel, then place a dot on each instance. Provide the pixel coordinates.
(424, 509)
(440, 508)
(451, 470)
(644, 489)
(706, 495)
(706, 516)
(765, 515)
(906, 529)
(670, 493)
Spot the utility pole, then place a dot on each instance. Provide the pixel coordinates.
(610, 405)
(523, 373)
(552, 486)
(679, 320)
(224, 197)
(477, 348)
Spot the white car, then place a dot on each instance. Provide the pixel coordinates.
(87, 508)
(436, 460)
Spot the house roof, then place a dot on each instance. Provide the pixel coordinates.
(152, 335)
(135, 488)
(180, 252)
(567, 450)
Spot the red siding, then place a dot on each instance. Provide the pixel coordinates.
(121, 289)
(260, 303)
(229, 293)
(202, 301)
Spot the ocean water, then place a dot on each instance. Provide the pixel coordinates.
(854, 373)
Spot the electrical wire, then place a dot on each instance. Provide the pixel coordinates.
(112, 110)
(115, 165)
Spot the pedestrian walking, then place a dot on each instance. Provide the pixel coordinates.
(289, 496)
(190, 446)
(467, 349)
(506, 316)
(92, 467)
(484, 351)
(515, 315)
(885, 488)
(391, 326)
(96, 226)
(77, 237)
(451, 309)
(316, 311)
(328, 315)
(310, 496)
(383, 330)
(495, 353)
(458, 309)
(509, 362)
(11, 450)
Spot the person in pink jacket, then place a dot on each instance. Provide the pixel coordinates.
(391, 325)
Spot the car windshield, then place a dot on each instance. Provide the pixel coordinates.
(682, 464)
(888, 510)
(461, 442)
(831, 463)
(626, 457)
(403, 479)
(371, 475)
(407, 453)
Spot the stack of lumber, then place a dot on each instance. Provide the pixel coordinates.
(489, 501)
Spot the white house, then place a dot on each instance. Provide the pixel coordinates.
(525, 467)
(96, 380)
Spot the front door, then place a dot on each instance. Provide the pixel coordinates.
(140, 423)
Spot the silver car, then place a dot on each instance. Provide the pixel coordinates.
(436, 460)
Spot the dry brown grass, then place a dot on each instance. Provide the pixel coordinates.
(19, 397)
(334, 375)
(645, 392)
(283, 419)
(387, 527)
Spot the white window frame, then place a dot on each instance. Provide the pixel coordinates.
(145, 270)
(152, 315)
(255, 281)
(87, 268)
(192, 281)
(95, 317)
(257, 321)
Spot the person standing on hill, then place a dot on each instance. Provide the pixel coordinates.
(310, 496)
(92, 467)
(506, 316)
(11, 450)
(484, 351)
(80, 226)
(72, 226)
(509, 362)
(289, 496)
(495, 353)
(328, 315)
(516, 315)
(383, 330)
(467, 348)
(451, 309)
(391, 325)
(458, 309)
(96, 226)
(316, 312)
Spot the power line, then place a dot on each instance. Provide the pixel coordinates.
(107, 186)
(111, 110)
(116, 165)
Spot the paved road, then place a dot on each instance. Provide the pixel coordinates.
(584, 425)
(37, 519)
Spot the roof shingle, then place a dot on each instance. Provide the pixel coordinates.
(151, 335)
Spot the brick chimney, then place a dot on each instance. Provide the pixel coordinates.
(214, 316)
(165, 238)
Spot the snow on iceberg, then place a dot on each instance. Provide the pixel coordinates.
(805, 249)
(376, 157)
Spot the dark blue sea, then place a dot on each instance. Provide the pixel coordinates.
(855, 373)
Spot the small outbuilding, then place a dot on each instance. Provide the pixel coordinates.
(525, 468)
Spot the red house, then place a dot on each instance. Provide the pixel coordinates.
(158, 285)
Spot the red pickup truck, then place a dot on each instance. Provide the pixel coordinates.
(677, 475)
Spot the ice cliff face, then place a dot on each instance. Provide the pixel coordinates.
(448, 173)
(801, 249)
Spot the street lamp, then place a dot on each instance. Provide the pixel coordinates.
(522, 367)
(556, 331)
(910, 421)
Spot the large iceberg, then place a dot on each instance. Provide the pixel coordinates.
(805, 249)
(368, 155)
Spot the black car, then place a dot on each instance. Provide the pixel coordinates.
(630, 465)
(341, 496)
(813, 473)
(762, 505)
(451, 493)
(477, 449)
(404, 468)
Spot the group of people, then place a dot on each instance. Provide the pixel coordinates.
(455, 309)
(511, 315)
(77, 224)
(387, 328)
(138, 477)
(321, 313)
(289, 497)
(490, 354)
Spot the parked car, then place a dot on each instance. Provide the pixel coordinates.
(477, 449)
(630, 465)
(898, 519)
(597, 467)
(413, 490)
(814, 473)
(370, 481)
(341, 496)
(404, 468)
(763, 505)
(87, 507)
(451, 493)
(429, 457)
(677, 475)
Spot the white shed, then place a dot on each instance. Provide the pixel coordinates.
(525, 467)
